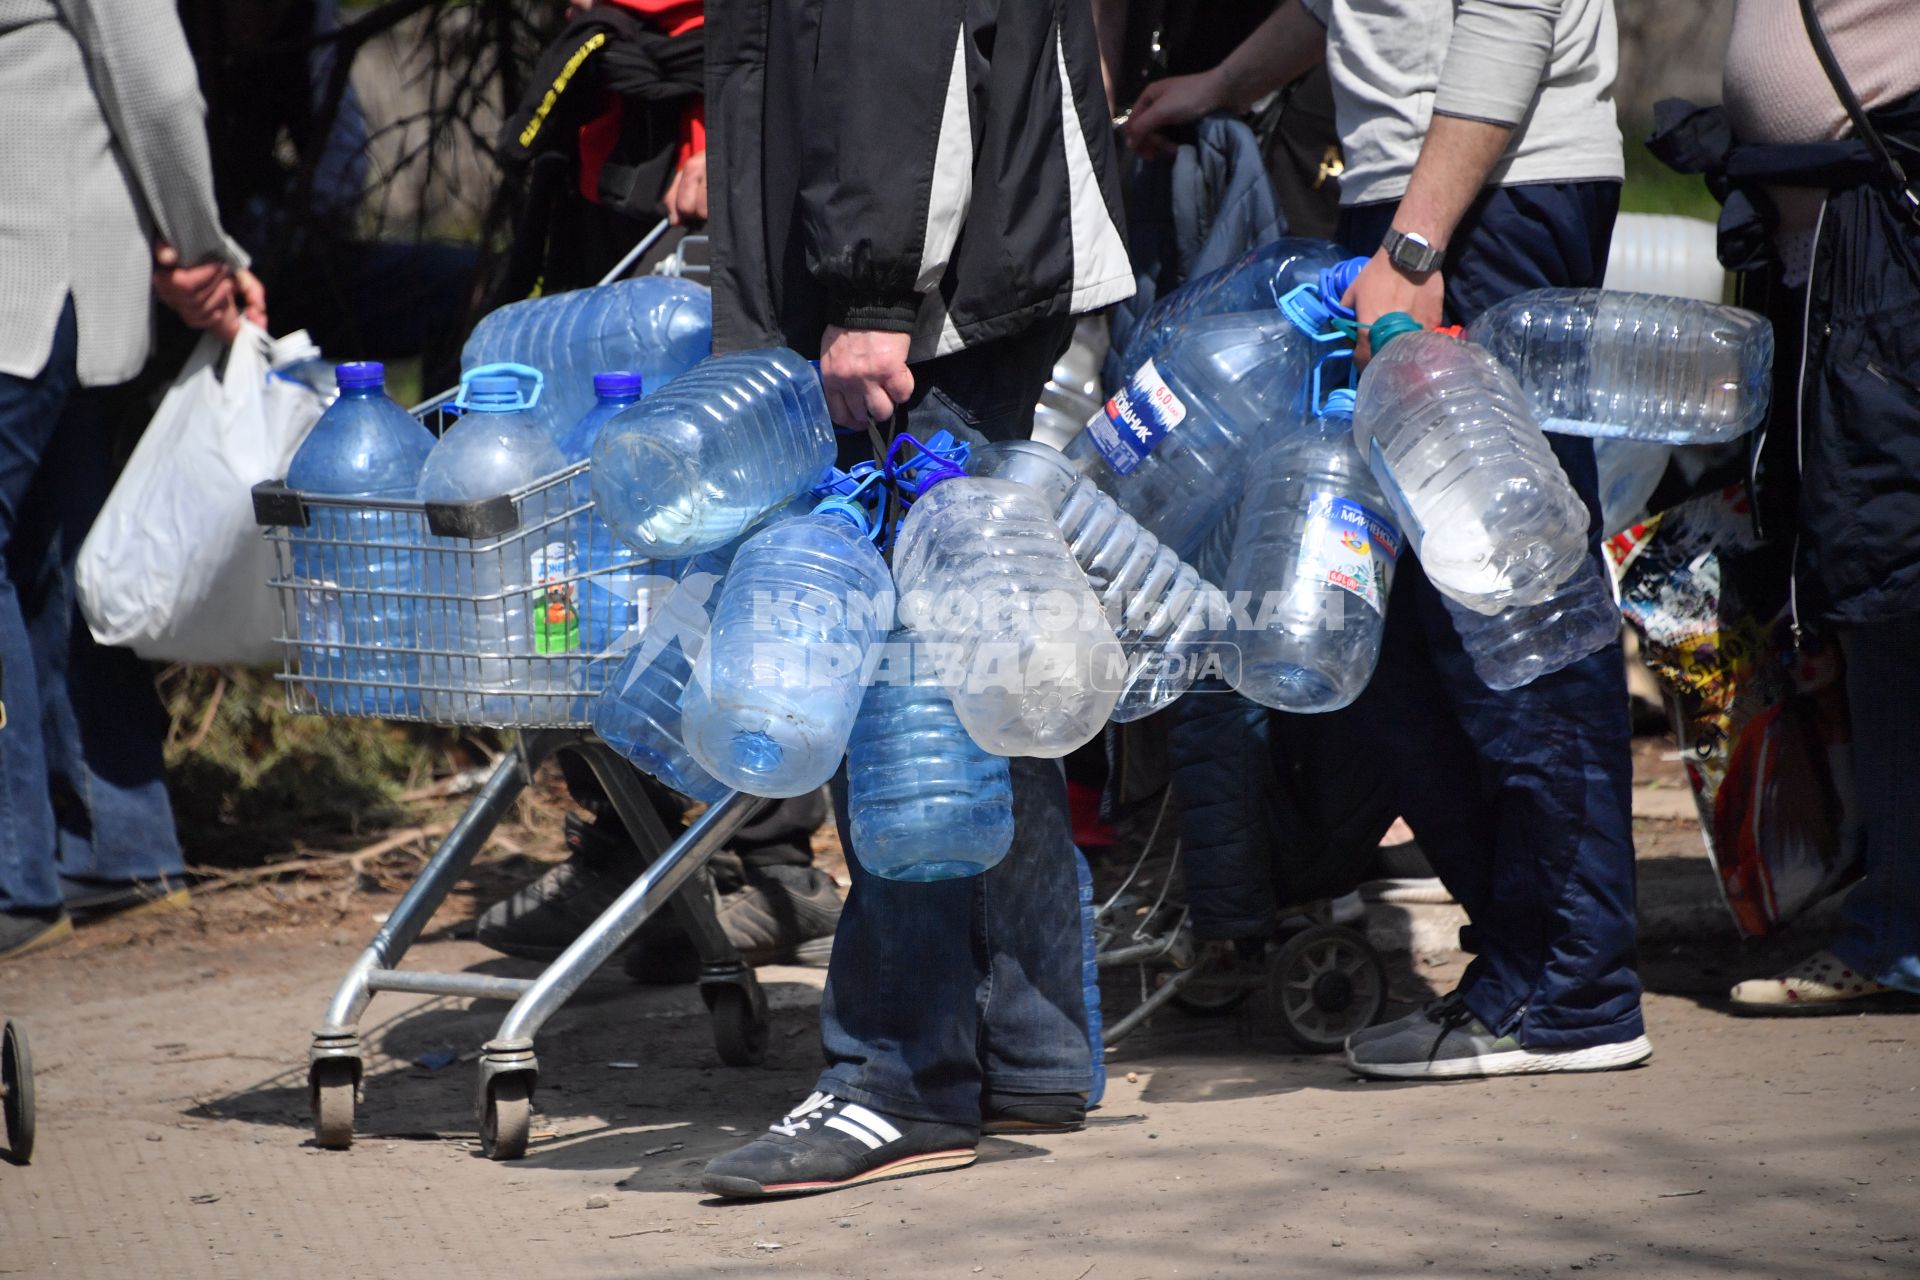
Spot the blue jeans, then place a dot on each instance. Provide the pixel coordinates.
(1882, 934)
(82, 787)
(937, 992)
(1522, 799)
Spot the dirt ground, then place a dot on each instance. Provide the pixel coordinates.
(174, 1133)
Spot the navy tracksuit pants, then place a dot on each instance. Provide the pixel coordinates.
(1522, 799)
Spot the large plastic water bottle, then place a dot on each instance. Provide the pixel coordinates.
(927, 803)
(779, 684)
(1172, 445)
(1023, 645)
(1159, 606)
(1256, 282)
(612, 593)
(1314, 552)
(692, 466)
(1518, 646)
(658, 326)
(1471, 480)
(1600, 363)
(498, 603)
(359, 578)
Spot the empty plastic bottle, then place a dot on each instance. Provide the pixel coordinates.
(692, 466)
(1314, 553)
(1172, 445)
(658, 326)
(1256, 282)
(1518, 646)
(612, 585)
(1471, 480)
(1602, 363)
(986, 577)
(779, 684)
(357, 567)
(499, 602)
(1158, 605)
(926, 802)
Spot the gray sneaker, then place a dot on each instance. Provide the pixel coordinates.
(1446, 1042)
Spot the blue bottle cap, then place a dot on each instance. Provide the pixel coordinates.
(496, 394)
(1338, 404)
(616, 385)
(360, 374)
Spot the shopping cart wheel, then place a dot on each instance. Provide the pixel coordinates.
(739, 1025)
(1214, 993)
(507, 1119)
(16, 1091)
(1327, 983)
(331, 1084)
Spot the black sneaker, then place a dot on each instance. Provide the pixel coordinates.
(90, 900)
(1034, 1112)
(827, 1143)
(25, 931)
(782, 915)
(543, 918)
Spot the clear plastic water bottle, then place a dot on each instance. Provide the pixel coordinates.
(1630, 471)
(1518, 646)
(1024, 647)
(1314, 552)
(1256, 282)
(777, 688)
(1159, 606)
(1090, 979)
(692, 466)
(927, 803)
(1636, 365)
(1471, 480)
(658, 326)
(497, 603)
(1172, 445)
(638, 710)
(612, 586)
(359, 578)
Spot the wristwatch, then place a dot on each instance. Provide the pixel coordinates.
(1411, 251)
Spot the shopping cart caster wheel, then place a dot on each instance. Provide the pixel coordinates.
(506, 1121)
(16, 1091)
(331, 1085)
(739, 1026)
(1205, 996)
(1327, 983)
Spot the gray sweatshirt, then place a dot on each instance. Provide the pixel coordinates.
(1545, 66)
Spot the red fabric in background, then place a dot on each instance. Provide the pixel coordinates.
(598, 136)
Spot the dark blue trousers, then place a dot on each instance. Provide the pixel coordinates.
(1523, 799)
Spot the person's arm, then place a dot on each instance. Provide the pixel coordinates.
(1290, 43)
(1110, 19)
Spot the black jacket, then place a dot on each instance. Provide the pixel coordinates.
(937, 167)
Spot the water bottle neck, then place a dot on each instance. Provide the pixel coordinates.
(372, 391)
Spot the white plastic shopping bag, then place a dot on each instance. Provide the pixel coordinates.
(175, 567)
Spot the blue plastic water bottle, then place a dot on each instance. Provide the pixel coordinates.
(610, 594)
(1256, 282)
(359, 579)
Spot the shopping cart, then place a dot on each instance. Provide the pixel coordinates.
(380, 603)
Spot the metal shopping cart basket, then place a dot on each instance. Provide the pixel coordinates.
(373, 593)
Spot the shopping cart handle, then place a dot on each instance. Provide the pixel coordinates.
(277, 507)
(481, 518)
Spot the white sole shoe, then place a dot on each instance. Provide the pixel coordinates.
(1511, 1062)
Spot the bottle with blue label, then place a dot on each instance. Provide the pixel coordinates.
(499, 604)
(779, 684)
(1472, 482)
(1256, 282)
(612, 587)
(1313, 556)
(356, 566)
(1172, 445)
(658, 326)
(925, 801)
(693, 466)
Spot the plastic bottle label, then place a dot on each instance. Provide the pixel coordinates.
(556, 609)
(1349, 546)
(1137, 418)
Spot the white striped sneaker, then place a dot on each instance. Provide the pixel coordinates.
(827, 1143)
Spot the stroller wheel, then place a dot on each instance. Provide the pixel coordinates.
(1327, 983)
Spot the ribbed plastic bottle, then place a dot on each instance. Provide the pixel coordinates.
(926, 802)
(1518, 646)
(1314, 551)
(1158, 605)
(692, 466)
(1471, 480)
(638, 711)
(499, 603)
(1256, 282)
(614, 575)
(777, 688)
(1635, 365)
(658, 326)
(1172, 445)
(986, 577)
(357, 567)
